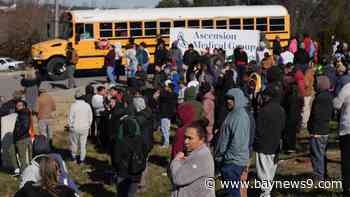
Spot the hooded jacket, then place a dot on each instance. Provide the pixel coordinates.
(186, 113)
(233, 143)
(22, 125)
(190, 97)
(322, 109)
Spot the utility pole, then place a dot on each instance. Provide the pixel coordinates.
(57, 7)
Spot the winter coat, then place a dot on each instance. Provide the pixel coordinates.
(110, 58)
(270, 124)
(191, 58)
(186, 113)
(31, 88)
(321, 113)
(161, 57)
(190, 175)
(145, 120)
(342, 101)
(22, 125)
(301, 57)
(233, 143)
(276, 47)
(80, 117)
(167, 104)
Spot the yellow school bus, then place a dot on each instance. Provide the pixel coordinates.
(85, 28)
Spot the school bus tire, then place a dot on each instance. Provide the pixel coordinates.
(55, 69)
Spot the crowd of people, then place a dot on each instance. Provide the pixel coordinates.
(224, 108)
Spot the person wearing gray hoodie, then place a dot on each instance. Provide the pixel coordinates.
(232, 148)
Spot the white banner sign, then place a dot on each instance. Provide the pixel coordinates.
(217, 38)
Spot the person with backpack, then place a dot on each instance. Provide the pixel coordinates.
(79, 122)
(130, 159)
(72, 60)
(41, 150)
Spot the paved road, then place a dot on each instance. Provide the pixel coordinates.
(9, 82)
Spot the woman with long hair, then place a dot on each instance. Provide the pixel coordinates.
(49, 184)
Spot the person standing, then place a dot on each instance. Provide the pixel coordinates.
(109, 63)
(79, 122)
(22, 137)
(31, 83)
(131, 60)
(98, 104)
(167, 108)
(207, 98)
(118, 60)
(232, 147)
(143, 56)
(190, 59)
(191, 170)
(342, 101)
(45, 106)
(318, 126)
(72, 60)
(270, 124)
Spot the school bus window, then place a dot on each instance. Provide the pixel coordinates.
(277, 24)
(150, 28)
(179, 23)
(106, 30)
(207, 24)
(164, 28)
(193, 23)
(248, 23)
(135, 29)
(235, 23)
(221, 24)
(261, 24)
(121, 29)
(84, 31)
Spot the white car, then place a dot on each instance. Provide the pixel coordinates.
(7, 63)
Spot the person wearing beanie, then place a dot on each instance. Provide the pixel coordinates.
(79, 122)
(318, 126)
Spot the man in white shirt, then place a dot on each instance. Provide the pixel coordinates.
(98, 101)
(79, 122)
(287, 56)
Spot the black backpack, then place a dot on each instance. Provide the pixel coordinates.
(41, 145)
(134, 143)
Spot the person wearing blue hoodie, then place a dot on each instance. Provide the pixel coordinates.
(232, 147)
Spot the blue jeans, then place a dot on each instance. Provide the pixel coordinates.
(165, 127)
(232, 172)
(110, 74)
(318, 155)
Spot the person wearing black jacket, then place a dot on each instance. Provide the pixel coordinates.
(21, 138)
(269, 127)
(301, 58)
(190, 58)
(167, 110)
(31, 82)
(318, 126)
(161, 55)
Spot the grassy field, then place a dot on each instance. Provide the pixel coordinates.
(92, 180)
